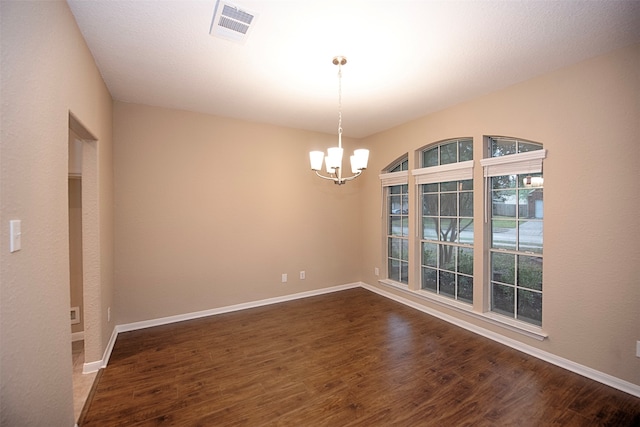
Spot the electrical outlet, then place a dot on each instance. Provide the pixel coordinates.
(376, 271)
(302, 275)
(637, 348)
(109, 314)
(284, 277)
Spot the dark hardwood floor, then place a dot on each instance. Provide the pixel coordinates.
(350, 358)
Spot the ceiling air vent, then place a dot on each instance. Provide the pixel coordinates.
(230, 22)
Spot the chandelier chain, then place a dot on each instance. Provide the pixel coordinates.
(340, 104)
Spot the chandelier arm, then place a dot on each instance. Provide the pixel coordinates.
(330, 178)
(349, 178)
(337, 179)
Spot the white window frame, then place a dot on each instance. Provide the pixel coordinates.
(459, 171)
(529, 162)
(388, 180)
(480, 310)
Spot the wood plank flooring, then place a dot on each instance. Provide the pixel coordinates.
(350, 358)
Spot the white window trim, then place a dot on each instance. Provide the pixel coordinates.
(389, 179)
(450, 172)
(394, 178)
(394, 284)
(459, 171)
(514, 164)
(505, 322)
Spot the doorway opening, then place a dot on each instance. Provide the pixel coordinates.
(84, 259)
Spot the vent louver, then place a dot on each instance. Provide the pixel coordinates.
(231, 23)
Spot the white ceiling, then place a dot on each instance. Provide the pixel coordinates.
(405, 58)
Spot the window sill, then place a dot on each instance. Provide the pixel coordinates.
(467, 309)
(444, 301)
(514, 325)
(394, 284)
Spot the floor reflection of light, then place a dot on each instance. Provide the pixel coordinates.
(399, 335)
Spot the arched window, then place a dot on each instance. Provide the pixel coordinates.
(395, 182)
(515, 210)
(446, 219)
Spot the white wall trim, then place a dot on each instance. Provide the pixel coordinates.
(569, 365)
(467, 310)
(237, 307)
(77, 336)
(91, 367)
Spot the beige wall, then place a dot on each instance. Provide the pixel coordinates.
(211, 211)
(260, 212)
(46, 73)
(587, 117)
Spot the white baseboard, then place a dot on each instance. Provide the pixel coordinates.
(569, 365)
(77, 336)
(90, 367)
(237, 307)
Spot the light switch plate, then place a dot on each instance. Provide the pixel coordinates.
(15, 235)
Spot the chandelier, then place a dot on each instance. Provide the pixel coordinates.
(333, 159)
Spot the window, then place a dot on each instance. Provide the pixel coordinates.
(397, 195)
(446, 199)
(514, 174)
(444, 222)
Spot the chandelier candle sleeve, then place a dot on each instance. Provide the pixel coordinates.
(316, 158)
(327, 163)
(361, 157)
(354, 164)
(333, 159)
